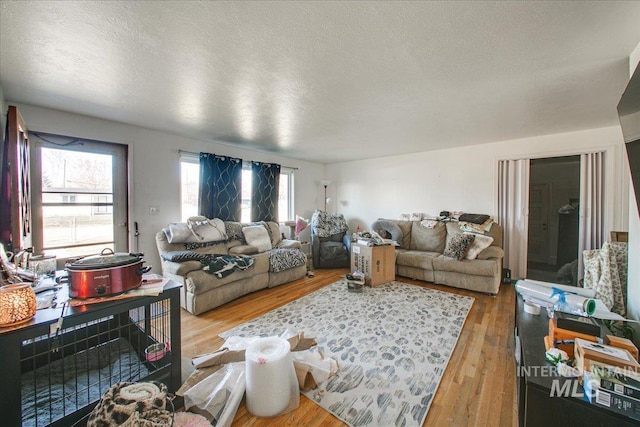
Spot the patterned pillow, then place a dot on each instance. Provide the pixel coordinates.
(284, 259)
(182, 256)
(458, 245)
(234, 230)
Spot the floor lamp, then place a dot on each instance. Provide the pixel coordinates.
(325, 183)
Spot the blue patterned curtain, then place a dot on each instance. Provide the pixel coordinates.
(265, 184)
(220, 187)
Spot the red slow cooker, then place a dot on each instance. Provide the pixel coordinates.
(105, 274)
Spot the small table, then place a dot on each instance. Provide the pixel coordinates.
(378, 263)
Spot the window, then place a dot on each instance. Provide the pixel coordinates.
(190, 172)
(80, 196)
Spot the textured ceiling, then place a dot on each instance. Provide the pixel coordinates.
(325, 81)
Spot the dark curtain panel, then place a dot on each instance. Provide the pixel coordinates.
(265, 184)
(220, 187)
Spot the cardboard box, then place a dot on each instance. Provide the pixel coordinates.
(564, 338)
(378, 263)
(589, 354)
(622, 343)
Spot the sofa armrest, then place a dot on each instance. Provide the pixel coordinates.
(315, 250)
(243, 250)
(180, 268)
(491, 252)
(289, 244)
(346, 241)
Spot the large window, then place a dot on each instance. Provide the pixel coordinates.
(190, 171)
(80, 196)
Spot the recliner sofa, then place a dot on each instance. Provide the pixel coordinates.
(420, 255)
(330, 240)
(203, 291)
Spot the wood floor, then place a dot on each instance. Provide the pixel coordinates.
(477, 389)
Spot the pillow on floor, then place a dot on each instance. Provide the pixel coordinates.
(258, 236)
(480, 243)
(458, 245)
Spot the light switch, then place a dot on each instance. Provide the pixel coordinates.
(154, 210)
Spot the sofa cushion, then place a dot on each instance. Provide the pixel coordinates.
(405, 226)
(288, 244)
(182, 256)
(258, 236)
(428, 239)
(243, 250)
(458, 245)
(474, 267)
(200, 281)
(180, 268)
(417, 259)
(332, 238)
(480, 242)
(333, 252)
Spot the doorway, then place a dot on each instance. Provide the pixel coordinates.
(554, 196)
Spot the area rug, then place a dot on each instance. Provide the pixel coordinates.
(392, 344)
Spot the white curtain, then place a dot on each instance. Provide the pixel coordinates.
(513, 215)
(591, 234)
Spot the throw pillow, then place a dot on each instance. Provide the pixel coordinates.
(480, 243)
(234, 230)
(258, 236)
(458, 245)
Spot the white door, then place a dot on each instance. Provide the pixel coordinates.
(82, 196)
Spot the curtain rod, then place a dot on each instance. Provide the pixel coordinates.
(198, 154)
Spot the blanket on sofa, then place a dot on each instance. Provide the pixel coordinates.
(223, 265)
(326, 224)
(284, 259)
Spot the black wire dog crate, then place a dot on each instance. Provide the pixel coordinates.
(55, 375)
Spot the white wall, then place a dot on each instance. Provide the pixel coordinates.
(155, 168)
(633, 294)
(465, 178)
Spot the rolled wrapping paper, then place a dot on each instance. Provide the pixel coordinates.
(585, 292)
(272, 386)
(553, 295)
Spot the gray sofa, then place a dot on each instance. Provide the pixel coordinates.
(203, 291)
(420, 255)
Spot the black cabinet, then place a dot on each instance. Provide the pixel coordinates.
(55, 376)
(545, 398)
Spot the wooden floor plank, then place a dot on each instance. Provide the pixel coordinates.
(477, 388)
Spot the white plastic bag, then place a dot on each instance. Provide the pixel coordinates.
(218, 396)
